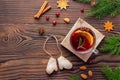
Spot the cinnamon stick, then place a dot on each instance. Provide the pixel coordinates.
(46, 9)
(41, 10)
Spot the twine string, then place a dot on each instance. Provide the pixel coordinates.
(44, 46)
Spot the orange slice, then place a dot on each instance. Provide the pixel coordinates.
(87, 35)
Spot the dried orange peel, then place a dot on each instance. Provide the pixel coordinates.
(87, 35)
(108, 26)
(62, 4)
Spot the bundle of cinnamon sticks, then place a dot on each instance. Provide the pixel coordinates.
(42, 10)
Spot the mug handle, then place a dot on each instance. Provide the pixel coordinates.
(96, 51)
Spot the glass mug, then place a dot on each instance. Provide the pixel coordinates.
(83, 40)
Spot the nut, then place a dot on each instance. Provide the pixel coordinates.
(90, 73)
(83, 76)
(67, 20)
(83, 68)
(41, 31)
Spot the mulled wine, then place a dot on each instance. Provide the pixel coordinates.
(82, 39)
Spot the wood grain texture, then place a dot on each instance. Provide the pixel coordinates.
(21, 53)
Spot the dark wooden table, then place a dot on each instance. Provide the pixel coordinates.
(21, 53)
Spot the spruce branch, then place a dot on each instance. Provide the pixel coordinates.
(84, 1)
(103, 8)
(74, 77)
(115, 12)
(107, 71)
(111, 74)
(112, 45)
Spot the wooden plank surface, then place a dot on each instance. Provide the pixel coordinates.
(21, 53)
